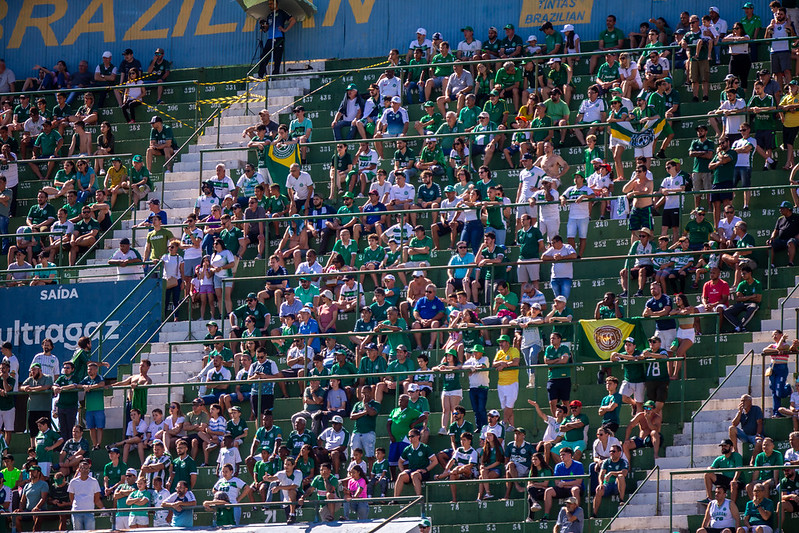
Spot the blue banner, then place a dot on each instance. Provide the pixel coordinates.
(65, 313)
(198, 33)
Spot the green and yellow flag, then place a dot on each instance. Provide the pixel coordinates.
(603, 337)
(279, 159)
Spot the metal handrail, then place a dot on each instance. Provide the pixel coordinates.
(94, 88)
(635, 492)
(402, 511)
(191, 137)
(69, 158)
(158, 329)
(749, 354)
(98, 330)
(101, 238)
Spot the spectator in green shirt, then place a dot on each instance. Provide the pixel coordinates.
(558, 111)
(85, 235)
(748, 295)
(610, 39)
(162, 142)
(510, 79)
(440, 74)
(47, 145)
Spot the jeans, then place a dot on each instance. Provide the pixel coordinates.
(4, 229)
(361, 509)
(66, 421)
(377, 488)
(562, 286)
(275, 46)
(531, 357)
(410, 89)
(81, 521)
(172, 294)
(208, 243)
(778, 384)
(594, 473)
(473, 234)
(479, 396)
(340, 125)
(500, 233)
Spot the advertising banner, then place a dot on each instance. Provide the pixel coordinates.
(65, 313)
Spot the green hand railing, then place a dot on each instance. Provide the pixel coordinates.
(623, 506)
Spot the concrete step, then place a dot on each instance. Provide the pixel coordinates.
(210, 165)
(225, 139)
(652, 523)
(634, 510)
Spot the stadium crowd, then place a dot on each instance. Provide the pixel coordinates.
(336, 255)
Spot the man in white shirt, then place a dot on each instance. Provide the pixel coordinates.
(745, 147)
(222, 183)
(401, 196)
(7, 78)
(530, 178)
(31, 129)
(562, 268)
(127, 260)
(460, 84)
(448, 218)
(548, 215)
(592, 109)
(389, 84)
(726, 227)
(84, 493)
(468, 46)
(299, 186)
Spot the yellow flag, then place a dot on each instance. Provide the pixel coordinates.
(606, 336)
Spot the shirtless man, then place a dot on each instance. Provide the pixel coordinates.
(137, 398)
(293, 244)
(416, 290)
(649, 422)
(637, 191)
(81, 140)
(553, 164)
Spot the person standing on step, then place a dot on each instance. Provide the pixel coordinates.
(136, 398)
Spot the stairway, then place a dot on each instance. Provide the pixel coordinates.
(181, 188)
(711, 427)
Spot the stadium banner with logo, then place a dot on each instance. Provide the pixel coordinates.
(624, 133)
(279, 160)
(598, 339)
(65, 313)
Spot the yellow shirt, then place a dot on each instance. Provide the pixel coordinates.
(115, 177)
(791, 119)
(511, 375)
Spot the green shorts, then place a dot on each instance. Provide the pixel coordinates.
(370, 128)
(370, 175)
(641, 217)
(667, 130)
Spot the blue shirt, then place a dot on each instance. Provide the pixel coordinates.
(427, 308)
(319, 223)
(274, 20)
(575, 469)
(369, 208)
(457, 260)
(183, 518)
(395, 121)
(311, 327)
(658, 305)
(86, 178)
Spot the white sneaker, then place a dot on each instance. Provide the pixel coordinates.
(442, 431)
(535, 507)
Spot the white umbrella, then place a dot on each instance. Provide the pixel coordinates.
(259, 9)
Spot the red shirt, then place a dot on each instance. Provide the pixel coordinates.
(713, 293)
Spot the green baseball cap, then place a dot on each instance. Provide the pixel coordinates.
(786, 205)
(520, 430)
(748, 5)
(615, 99)
(352, 87)
(211, 323)
(138, 159)
(467, 28)
(494, 93)
(505, 338)
(348, 194)
(425, 522)
(478, 348)
(616, 90)
(452, 351)
(508, 27)
(449, 188)
(115, 158)
(650, 404)
(429, 103)
(251, 296)
(579, 174)
(668, 79)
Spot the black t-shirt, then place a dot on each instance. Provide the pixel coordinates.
(787, 228)
(125, 66)
(82, 79)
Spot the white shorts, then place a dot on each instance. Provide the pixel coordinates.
(618, 142)
(7, 419)
(452, 393)
(716, 308)
(522, 209)
(364, 441)
(508, 394)
(687, 333)
(577, 227)
(138, 521)
(646, 151)
(521, 470)
(666, 337)
(633, 390)
(121, 522)
(528, 271)
(416, 264)
(549, 227)
(45, 468)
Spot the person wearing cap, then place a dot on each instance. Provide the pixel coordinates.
(518, 459)
(105, 75)
(139, 178)
(300, 129)
(789, 487)
(785, 235)
(349, 110)
(574, 428)
(649, 422)
(33, 498)
(612, 477)
(162, 142)
(421, 42)
(729, 458)
(127, 261)
(469, 48)
(332, 444)
(158, 71)
(698, 67)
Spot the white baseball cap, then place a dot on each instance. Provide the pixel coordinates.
(421, 30)
(396, 100)
(567, 27)
(560, 298)
(532, 38)
(107, 54)
(714, 9)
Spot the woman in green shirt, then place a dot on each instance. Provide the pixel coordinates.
(451, 393)
(64, 181)
(535, 489)
(306, 465)
(491, 461)
(483, 83)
